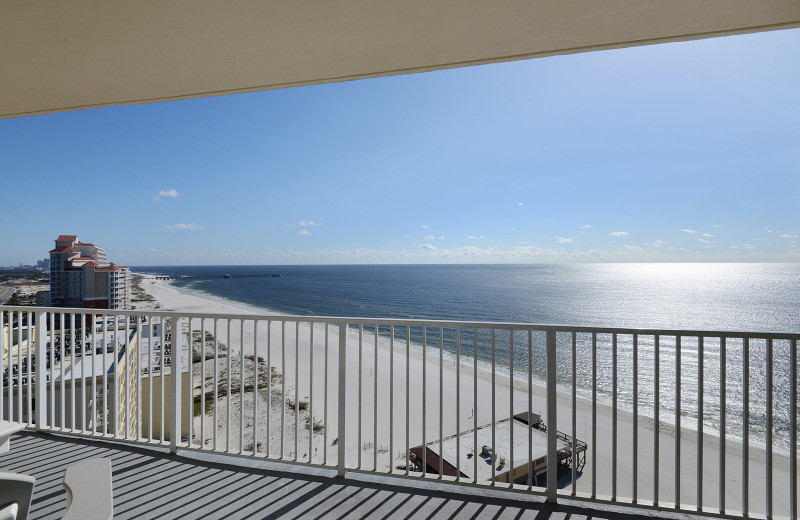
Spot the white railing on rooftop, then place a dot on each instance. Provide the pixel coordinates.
(673, 419)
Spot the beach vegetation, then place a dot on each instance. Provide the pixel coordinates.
(302, 405)
(318, 424)
(14, 300)
(197, 406)
(251, 357)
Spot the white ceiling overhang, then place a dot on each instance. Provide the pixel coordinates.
(62, 55)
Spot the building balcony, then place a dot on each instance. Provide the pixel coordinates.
(259, 415)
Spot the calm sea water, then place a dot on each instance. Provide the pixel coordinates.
(731, 297)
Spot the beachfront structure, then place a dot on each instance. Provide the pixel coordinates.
(100, 366)
(82, 373)
(80, 56)
(522, 438)
(80, 276)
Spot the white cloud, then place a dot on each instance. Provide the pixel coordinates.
(434, 237)
(429, 247)
(304, 232)
(619, 233)
(564, 240)
(520, 203)
(688, 230)
(473, 237)
(749, 246)
(768, 230)
(703, 241)
(587, 226)
(423, 226)
(786, 235)
(166, 193)
(707, 235)
(183, 226)
(304, 223)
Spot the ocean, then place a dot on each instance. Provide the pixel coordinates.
(729, 297)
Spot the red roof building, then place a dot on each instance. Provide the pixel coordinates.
(80, 276)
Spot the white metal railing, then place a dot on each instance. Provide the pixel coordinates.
(685, 420)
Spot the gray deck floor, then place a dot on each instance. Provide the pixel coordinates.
(152, 483)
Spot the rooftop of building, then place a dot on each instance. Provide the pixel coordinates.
(64, 249)
(462, 452)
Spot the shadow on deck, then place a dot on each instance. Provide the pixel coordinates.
(152, 483)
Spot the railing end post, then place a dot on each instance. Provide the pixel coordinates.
(176, 377)
(552, 430)
(40, 388)
(342, 404)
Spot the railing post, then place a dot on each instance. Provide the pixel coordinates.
(342, 443)
(552, 429)
(175, 383)
(40, 390)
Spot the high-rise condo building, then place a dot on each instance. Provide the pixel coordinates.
(80, 276)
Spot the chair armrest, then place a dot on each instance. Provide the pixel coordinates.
(16, 488)
(10, 512)
(90, 494)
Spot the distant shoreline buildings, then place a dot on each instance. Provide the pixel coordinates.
(81, 277)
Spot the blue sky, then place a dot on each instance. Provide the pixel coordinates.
(676, 152)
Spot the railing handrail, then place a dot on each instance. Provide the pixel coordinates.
(448, 324)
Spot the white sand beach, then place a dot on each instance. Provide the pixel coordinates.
(385, 376)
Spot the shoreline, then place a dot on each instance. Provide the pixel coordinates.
(201, 300)
(196, 301)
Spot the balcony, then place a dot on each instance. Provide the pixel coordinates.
(268, 410)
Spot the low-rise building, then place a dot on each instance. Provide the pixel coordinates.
(514, 450)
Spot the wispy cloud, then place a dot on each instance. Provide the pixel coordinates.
(183, 226)
(768, 230)
(424, 226)
(520, 203)
(689, 231)
(619, 233)
(587, 226)
(429, 247)
(434, 237)
(704, 241)
(562, 240)
(707, 235)
(749, 246)
(304, 223)
(786, 235)
(305, 232)
(474, 237)
(171, 194)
